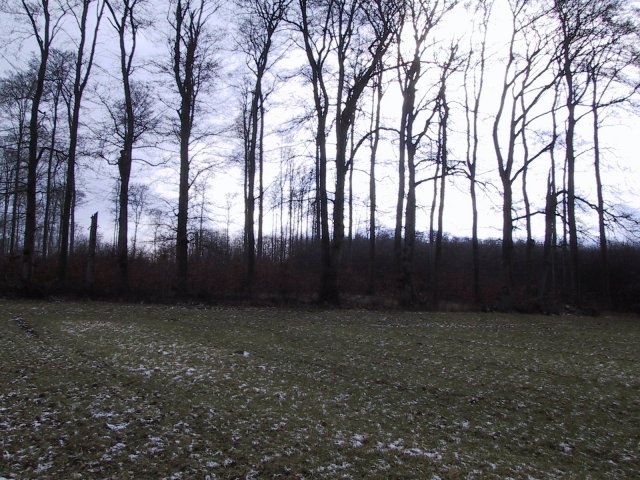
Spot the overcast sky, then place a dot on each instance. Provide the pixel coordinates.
(621, 134)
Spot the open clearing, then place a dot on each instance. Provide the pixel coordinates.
(96, 390)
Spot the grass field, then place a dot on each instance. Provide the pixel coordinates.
(93, 390)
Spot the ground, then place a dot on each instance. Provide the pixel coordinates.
(97, 390)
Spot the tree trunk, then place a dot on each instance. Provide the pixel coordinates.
(547, 255)
(30, 226)
(47, 203)
(574, 282)
(15, 207)
(527, 214)
(602, 227)
(80, 82)
(548, 278)
(331, 293)
(124, 169)
(259, 245)
(377, 100)
(408, 296)
(5, 213)
(91, 259)
(505, 301)
(249, 220)
(444, 119)
(400, 207)
(182, 238)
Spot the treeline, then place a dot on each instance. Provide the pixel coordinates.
(288, 273)
(488, 96)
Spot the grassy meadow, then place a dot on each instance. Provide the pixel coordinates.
(99, 390)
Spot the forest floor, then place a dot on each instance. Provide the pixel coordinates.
(98, 390)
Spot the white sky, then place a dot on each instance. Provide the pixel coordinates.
(620, 151)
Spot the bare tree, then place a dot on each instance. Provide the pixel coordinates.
(84, 55)
(358, 34)
(476, 61)
(194, 68)
(376, 103)
(609, 61)
(16, 91)
(547, 281)
(125, 17)
(262, 18)
(581, 25)
(44, 19)
(59, 75)
(449, 67)
(527, 77)
(313, 25)
(417, 114)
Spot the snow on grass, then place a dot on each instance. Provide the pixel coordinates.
(113, 391)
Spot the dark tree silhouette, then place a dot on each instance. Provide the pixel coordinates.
(84, 56)
(124, 18)
(194, 68)
(262, 19)
(44, 18)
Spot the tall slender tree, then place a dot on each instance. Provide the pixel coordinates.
(313, 23)
(16, 91)
(376, 107)
(608, 61)
(125, 18)
(527, 77)
(356, 28)
(44, 18)
(476, 62)
(257, 29)
(84, 56)
(416, 116)
(194, 68)
(59, 74)
(449, 67)
(582, 26)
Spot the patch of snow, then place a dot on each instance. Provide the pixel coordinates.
(566, 447)
(278, 426)
(333, 468)
(117, 426)
(118, 446)
(397, 445)
(357, 440)
(268, 458)
(103, 415)
(43, 467)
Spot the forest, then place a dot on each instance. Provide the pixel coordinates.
(433, 154)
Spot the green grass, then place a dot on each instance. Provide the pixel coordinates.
(92, 390)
